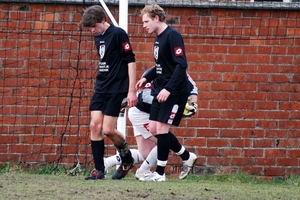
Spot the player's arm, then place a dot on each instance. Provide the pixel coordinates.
(177, 51)
(191, 105)
(148, 76)
(129, 58)
(131, 96)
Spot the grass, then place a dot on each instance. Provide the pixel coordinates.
(55, 182)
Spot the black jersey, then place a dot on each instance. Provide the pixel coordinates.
(115, 53)
(171, 63)
(145, 98)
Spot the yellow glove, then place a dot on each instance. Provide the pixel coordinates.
(190, 109)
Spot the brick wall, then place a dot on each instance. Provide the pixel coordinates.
(245, 64)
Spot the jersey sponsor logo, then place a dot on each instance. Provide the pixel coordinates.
(173, 114)
(158, 69)
(126, 46)
(178, 51)
(101, 51)
(146, 126)
(155, 52)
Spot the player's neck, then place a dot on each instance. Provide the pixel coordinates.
(106, 26)
(161, 28)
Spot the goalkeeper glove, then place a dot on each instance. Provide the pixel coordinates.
(190, 109)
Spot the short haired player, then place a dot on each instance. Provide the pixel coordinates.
(115, 81)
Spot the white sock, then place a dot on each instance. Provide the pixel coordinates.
(114, 160)
(137, 157)
(181, 151)
(150, 161)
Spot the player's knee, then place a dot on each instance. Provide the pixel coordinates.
(94, 127)
(108, 132)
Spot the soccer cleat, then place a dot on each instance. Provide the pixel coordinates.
(122, 170)
(95, 174)
(155, 177)
(187, 166)
(138, 175)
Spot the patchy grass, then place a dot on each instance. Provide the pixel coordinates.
(54, 182)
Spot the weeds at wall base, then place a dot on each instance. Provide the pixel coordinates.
(54, 169)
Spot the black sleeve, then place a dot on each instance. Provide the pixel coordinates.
(150, 75)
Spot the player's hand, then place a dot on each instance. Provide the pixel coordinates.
(131, 99)
(163, 96)
(140, 84)
(190, 109)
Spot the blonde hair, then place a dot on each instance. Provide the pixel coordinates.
(152, 10)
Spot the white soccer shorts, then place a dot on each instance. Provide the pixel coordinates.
(140, 122)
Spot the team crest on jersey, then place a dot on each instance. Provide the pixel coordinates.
(178, 51)
(126, 46)
(102, 51)
(155, 52)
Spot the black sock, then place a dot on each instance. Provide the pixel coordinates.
(124, 153)
(98, 154)
(176, 147)
(163, 148)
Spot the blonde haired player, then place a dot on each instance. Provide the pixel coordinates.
(146, 142)
(171, 86)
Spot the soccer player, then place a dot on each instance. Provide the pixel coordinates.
(170, 83)
(146, 142)
(115, 81)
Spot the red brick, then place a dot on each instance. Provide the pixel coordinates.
(265, 143)
(252, 152)
(245, 87)
(266, 124)
(231, 114)
(242, 161)
(195, 142)
(275, 153)
(240, 142)
(274, 171)
(223, 161)
(265, 161)
(243, 124)
(217, 142)
(230, 152)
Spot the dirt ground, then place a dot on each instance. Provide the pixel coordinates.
(32, 186)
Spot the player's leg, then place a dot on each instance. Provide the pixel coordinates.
(160, 112)
(140, 124)
(145, 140)
(163, 148)
(145, 145)
(144, 170)
(111, 113)
(97, 141)
(188, 158)
(150, 158)
(117, 138)
(114, 160)
(165, 114)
